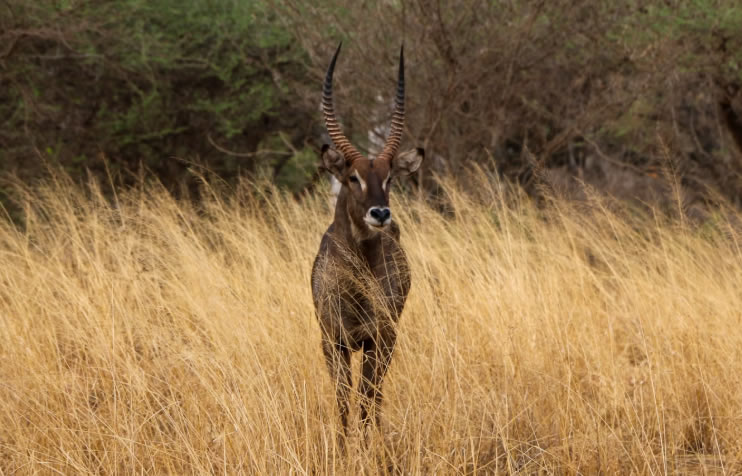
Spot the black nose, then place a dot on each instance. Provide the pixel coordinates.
(380, 214)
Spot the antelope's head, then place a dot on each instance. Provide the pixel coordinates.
(367, 182)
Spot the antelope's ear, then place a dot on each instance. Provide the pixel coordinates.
(333, 161)
(407, 162)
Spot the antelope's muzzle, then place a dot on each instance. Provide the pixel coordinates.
(378, 216)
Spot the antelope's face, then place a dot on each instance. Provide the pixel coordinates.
(367, 181)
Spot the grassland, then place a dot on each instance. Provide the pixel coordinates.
(143, 334)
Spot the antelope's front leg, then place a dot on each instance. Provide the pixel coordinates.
(337, 357)
(377, 354)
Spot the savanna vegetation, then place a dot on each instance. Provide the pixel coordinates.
(621, 95)
(150, 335)
(574, 235)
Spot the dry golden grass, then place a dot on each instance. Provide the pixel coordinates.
(150, 335)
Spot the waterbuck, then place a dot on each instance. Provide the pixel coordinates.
(360, 278)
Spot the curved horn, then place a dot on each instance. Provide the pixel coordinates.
(391, 147)
(336, 134)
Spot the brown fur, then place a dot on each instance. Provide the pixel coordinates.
(360, 278)
(360, 281)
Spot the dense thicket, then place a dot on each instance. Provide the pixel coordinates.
(627, 96)
(164, 84)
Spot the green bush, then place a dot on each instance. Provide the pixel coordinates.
(164, 83)
(608, 93)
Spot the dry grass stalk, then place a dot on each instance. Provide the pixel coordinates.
(152, 336)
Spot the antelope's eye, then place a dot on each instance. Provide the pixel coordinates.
(354, 179)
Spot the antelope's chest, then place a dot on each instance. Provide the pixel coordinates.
(359, 293)
(385, 284)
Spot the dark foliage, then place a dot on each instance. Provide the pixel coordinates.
(631, 97)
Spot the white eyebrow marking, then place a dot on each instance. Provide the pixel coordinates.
(386, 180)
(360, 180)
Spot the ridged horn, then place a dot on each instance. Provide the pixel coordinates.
(391, 147)
(336, 134)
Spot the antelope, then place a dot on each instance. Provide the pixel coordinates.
(360, 277)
